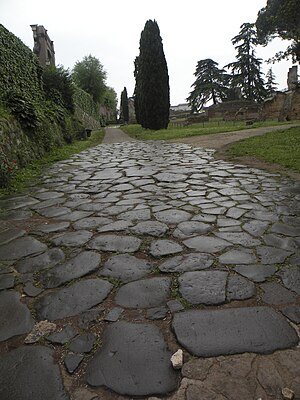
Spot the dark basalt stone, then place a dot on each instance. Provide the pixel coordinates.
(211, 333)
(15, 316)
(137, 354)
(29, 373)
(22, 247)
(126, 268)
(72, 300)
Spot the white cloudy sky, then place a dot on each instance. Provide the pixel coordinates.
(110, 30)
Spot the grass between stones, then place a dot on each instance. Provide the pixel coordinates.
(32, 171)
(205, 128)
(281, 147)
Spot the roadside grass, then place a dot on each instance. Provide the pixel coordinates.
(33, 171)
(205, 128)
(280, 147)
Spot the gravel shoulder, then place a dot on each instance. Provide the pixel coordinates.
(222, 141)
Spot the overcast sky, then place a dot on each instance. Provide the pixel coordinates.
(110, 30)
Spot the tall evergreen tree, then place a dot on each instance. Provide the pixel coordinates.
(246, 70)
(124, 106)
(209, 85)
(152, 91)
(271, 84)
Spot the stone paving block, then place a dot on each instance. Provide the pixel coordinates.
(151, 228)
(210, 333)
(8, 235)
(72, 239)
(73, 300)
(257, 272)
(207, 244)
(22, 247)
(172, 216)
(83, 264)
(240, 288)
(123, 244)
(138, 355)
(203, 287)
(291, 278)
(238, 256)
(272, 255)
(145, 293)
(40, 262)
(186, 263)
(274, 293)
(160, 248)
(38, 377)
(15, 316)
(126, 268)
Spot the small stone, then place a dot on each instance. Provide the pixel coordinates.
(156, 313)
(42, 328)
(114, 314)
(287, 394)
(83, 343)
(72, 361)
(177, 359)
(63, 336)
(175, 306)
(31, 290)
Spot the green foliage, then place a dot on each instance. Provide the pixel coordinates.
(152, 92)
(280, 18)
(22, 108)
(280, 147)
(35, 168)
(271, 84)
(124, 106)
(19, 68)
(210, 84)
(90, 76)
(57, 84)
(85, 101)
(206, 128)
(110, 101)
(246, 71)
(8, 169)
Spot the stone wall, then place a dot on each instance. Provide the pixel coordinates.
(237, 110)
(283, 106)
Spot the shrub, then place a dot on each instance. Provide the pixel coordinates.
(8, 169)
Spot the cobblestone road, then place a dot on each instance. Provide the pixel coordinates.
(129, 251)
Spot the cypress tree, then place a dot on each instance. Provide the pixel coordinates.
(124, 106)
(152, 91)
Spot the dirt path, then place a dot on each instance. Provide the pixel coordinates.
(222, 141)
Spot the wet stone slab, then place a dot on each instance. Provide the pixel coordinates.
(40, 262)
(207, 244)
(126, 268)
(257, 272)
(8, 235)
(145, 293)
(123, 244)
(212, 333)
(73, 300)
(22, 247)
(35, 370)
(15, 316)
(160, 248)
(276, 294)
(173, 216)
(203, 287)
(151, 228)
(138, 355)
(81, 265)
(72, 239)
(186, 263)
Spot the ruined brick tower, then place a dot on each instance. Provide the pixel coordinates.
(43, 46)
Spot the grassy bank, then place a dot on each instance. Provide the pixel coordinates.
(281, 147)
(33, 170)
(206, 128)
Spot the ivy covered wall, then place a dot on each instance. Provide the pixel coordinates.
(30, 124)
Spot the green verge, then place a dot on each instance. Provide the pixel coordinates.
(281, 147)
(32, 172)
(205, 128)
